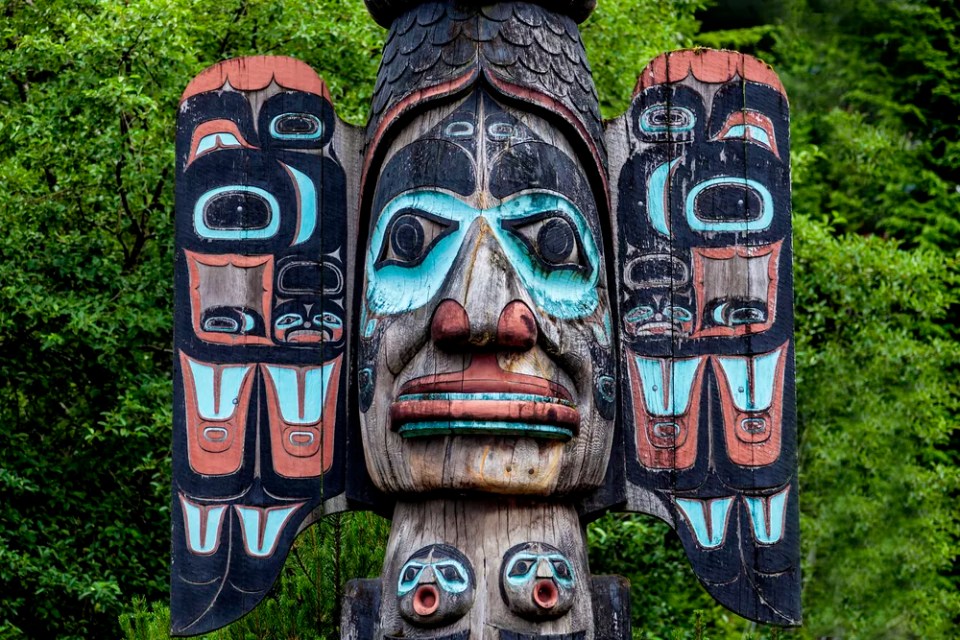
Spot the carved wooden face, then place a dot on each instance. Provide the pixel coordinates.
(484, 357)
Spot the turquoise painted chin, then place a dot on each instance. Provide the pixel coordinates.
(484, 428)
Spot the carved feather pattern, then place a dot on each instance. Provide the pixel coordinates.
(519, 48)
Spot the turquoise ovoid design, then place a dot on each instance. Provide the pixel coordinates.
(562, 293)
(260, 538)
(450, 585)
(262, 233)
(767, 514)
(667, 396)
(762, 370)
(738, 226)
(709, 528)
(213, 517)
(286, 382)
(307, 198)
(533, 561)
(312, 135)
(211, 141)
(209, 405)
(657, 197)
(648, 124)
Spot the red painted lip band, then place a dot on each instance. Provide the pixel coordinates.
(485, 393)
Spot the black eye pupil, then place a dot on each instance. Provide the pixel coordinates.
(520, 568)
(561, 569)
(409, 574)
(449, 573)
(556, 241)
(406, 238)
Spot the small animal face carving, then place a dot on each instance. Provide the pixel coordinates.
(436, 586)
(537, 581)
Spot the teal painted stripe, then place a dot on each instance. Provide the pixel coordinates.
(477, 427)
(517, 397)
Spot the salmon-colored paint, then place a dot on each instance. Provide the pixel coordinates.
(253, 73)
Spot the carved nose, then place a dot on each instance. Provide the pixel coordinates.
(451, 328)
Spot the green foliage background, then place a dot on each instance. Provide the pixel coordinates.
(88, 96)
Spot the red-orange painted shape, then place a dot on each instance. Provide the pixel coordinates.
(213, 127)
(707, 65)
(749, 117)
(517, 327)
(450, 326)
(241, 262)
(208, 456)
(727, 253)
(761, 447)
(484, 375)
(658, 451)
(299, 450)
(257, 72)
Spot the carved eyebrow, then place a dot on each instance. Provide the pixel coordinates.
(216, 135)
(750, 126)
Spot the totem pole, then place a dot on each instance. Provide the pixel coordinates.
(490, 316)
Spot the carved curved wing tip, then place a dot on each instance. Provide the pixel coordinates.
(713, 66)
(253, 73)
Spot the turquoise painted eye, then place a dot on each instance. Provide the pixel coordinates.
(450, 577)
(328, 320)
(296, 126)
(408, 577)
(411, 235)
(522, 568)
(747, 315)
(551, 237)
(288, 321)
(662, 118)
(678, 313)
(221, 324)
(639, 314)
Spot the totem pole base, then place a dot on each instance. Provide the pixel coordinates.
(531, 578)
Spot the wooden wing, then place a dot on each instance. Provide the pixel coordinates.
(701, 190)
(262, 275)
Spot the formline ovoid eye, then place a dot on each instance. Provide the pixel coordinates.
(411, 235)
(552, 238)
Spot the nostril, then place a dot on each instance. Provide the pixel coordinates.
(517, 328)
(451, 325)
(426, 600)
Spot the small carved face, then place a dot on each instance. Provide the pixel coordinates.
(436, 586)
(537, 581)
(484, 352)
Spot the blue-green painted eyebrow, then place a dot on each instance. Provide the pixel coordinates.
(562, 293)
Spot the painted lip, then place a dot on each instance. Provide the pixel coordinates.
(484, 400)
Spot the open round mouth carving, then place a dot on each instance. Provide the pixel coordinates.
(545, 594)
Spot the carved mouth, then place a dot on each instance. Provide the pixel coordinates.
(484, 399)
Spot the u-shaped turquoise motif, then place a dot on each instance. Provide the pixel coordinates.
(562, 293)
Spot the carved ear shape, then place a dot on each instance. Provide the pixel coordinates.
(263, 264)
(701, 164)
